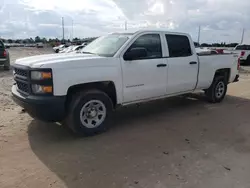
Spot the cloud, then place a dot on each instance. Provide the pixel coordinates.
(220, 20)
(216, 17)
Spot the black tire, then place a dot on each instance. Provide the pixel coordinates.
(242, 62)
(215, 93)
(248, 60)
(79, 100)
(57, 51)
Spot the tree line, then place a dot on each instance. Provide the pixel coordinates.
(52, 41)
(222, 44)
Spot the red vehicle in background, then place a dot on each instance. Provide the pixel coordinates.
(220, 51)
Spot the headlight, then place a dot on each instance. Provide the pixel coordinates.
(40, 75)
(39, 89)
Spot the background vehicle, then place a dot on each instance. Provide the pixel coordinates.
(39, 45)
(59, 48)
(244, 52)
(206, 51)
(66, 49)
(71, 49)
(4, 57)
(117, 70)
(7, 45)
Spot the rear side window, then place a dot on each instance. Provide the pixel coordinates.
(178, 46)
(1, 44)
(152, 43)
(243, 47)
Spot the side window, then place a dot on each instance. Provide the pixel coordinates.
(151, 43)
(240, 47)
(1, 44)
(178, 46)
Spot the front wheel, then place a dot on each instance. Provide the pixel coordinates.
(88, 112)
(217, 91)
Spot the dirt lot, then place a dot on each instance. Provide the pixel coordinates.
(179, 142)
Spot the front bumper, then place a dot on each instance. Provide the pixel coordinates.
(45, 108)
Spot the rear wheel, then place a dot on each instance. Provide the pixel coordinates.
(57, 51)
(89, 112)
(6, 65)
(248, 60)
(217, 91)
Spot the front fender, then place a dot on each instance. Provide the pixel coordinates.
(63, 79)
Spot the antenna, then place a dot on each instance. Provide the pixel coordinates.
(199, 33)
(72, 29)
(242, 37)
(63, 29)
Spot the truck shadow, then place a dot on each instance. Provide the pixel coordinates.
(139, 140)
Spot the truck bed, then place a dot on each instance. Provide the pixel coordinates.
(209, 63)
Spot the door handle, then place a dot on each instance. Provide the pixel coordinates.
(161, 65)
(193, 63)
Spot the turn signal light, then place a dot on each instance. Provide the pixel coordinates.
(46, 75)
(47, 89)
(40, 89)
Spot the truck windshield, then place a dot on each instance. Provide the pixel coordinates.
(107, 45)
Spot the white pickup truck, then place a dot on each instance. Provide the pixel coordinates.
(244, 53)
(117, 70)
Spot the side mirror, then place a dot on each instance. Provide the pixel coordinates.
(135, 53)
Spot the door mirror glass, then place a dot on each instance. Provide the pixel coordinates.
(135, 53)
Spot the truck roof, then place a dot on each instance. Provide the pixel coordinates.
(149, 30)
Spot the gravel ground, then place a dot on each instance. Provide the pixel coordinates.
(178, 142)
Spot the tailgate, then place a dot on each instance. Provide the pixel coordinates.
(235, 67)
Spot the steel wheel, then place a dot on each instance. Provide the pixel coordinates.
(93, 113)
(220, 89)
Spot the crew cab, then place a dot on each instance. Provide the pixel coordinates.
(244, 53)
(115, 70)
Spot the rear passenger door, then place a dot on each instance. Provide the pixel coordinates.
(182, 64)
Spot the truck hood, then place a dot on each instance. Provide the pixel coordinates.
(47, 60)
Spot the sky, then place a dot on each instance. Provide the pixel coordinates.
(220, 20)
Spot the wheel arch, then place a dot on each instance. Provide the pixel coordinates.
(107, 87)
(225, 72)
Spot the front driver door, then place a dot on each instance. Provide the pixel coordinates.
(145, 78)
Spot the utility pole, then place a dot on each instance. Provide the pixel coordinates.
(72, 29)
(126, 26)
(63, 29)
(199, 33)
(242, 37)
